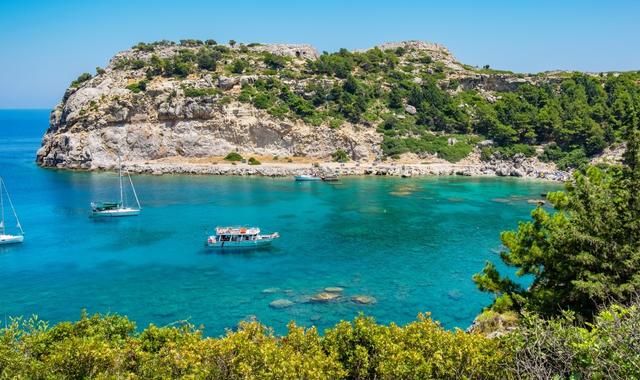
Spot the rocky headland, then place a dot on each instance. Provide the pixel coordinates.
(160, 122)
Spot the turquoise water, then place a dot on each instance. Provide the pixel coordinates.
(413, 244)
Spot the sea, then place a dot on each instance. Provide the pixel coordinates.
(412, 244)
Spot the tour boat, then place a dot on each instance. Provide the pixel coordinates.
(306, 178)
(6, 237)
(117, 209)
(240, 237)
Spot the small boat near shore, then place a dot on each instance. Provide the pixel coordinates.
(330, 178)
(240, 238)
(119, 208)
(306, 178)
(5, 237)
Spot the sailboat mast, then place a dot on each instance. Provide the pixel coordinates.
(1, 207)
(120, 176)
(134, 190)
(13, 209)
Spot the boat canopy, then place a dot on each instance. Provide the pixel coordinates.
(237, 230)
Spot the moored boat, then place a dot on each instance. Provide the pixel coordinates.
(306, 178)
(239, 238)
(117, 209)
(330, 178)
(6, 237)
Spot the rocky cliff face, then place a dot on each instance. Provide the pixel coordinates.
(110, 115)
(102, 119)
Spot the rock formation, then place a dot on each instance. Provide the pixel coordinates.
(144, 119)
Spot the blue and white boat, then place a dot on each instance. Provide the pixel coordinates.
(239, 238)
(306, 178)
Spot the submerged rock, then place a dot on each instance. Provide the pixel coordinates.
(270, 290)
(324, 297)
(364, 300)
(280, 303)
(455, 295)
(333, 289)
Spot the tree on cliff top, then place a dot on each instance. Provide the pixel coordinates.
(584, 255)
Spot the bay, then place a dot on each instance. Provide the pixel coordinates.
(412, 244)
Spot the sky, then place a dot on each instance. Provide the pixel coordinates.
(44, 45)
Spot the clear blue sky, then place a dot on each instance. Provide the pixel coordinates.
(46, 44)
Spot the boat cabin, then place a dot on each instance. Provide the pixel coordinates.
(105, 206)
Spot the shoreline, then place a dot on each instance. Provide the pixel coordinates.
(349, 169)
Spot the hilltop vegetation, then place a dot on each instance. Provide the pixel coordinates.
(409, 96)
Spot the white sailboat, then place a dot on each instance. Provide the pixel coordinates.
(5, 237)
(116, 209)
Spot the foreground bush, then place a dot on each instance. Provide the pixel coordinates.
(608, 348)
(109, 347)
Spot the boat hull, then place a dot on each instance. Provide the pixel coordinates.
(240, 244)
(306, 178)
(115, 213)
(243, 244)
(11, 239)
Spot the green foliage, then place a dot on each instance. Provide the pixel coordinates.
(508, 151)
(191, 42)
(340, 156)
(141, 46)
(193, 92)
(233, 156)
(81, 79)
(273, 61)
(108, 347)
(208, 58)
(239, 66)
(338, 64)
(560, 349)
(253, 161)
(586, 253)
(137, 87)
(428, 143)
(100, 70)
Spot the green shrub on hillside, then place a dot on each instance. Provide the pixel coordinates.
(431, 144)
(239, 66)
(340, 156)
(507, 152)
(233, 156)
(138, 86)
(274, 61)
(81, 79)
(192, 92)
(253, 161)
